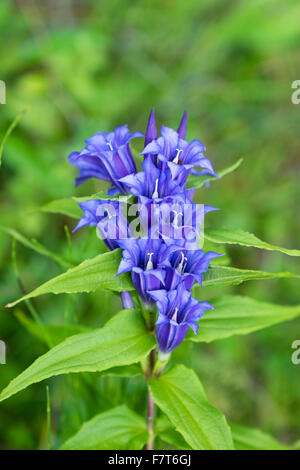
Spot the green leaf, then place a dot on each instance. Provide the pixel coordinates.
(197, 181)
(180, 395)
(166, 432)
(9, 131)
(122, 341)
(99, 273)
(118, 428)
(92, 274)
(35, 246)
(66, 206)
(223, 276)
(102, 195)
(51, 335)
(70, 208)
(125, 371)
(239, 237)
(237, 315)
(244, 438)
(254, 439)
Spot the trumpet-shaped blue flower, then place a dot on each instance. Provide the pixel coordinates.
(108, 216)
(152, 184)
(106, 156)
(142, 256)
(186, 266)
(162, 202)
(178, 154)
(178, 311)
(183, 222)
(151, 132)
(166, 262)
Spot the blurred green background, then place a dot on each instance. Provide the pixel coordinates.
(84, 66)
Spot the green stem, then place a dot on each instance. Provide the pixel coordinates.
(160, 364)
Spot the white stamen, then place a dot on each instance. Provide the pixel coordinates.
(155, 193)
(174, 317)
(149, 264)
(176, 159)
(110, 146)
(177, 214)
(108, 214)
(181, 266)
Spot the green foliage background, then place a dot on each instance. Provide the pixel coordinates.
(83, 66)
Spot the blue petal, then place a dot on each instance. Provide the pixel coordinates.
(171, 138)
(152, 147)
(183, 126)
(151, 132)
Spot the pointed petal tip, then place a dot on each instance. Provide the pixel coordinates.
(182, 128)
(213, 254)
(151, 132)
(208, 208)
(151, 120)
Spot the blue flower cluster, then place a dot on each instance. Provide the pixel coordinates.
(164, 259)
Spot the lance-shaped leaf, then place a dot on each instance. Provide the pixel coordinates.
(52, 335)
(92, 274)
(102, 195)
(223, 276)
(65, 206)
(118, 428)
(239, 237)
(244, 438)
(166, 431)
(99, 273)
(122, 341)
(197, 181)
(254, 439)
(237, 315)
(180, 395)
(70, 208)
